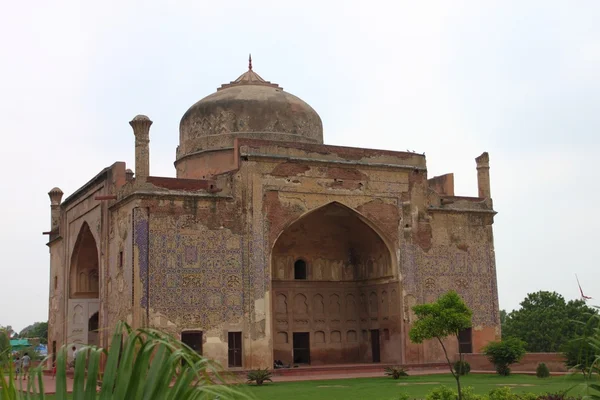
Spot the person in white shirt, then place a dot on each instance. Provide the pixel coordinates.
(26, 360)
(74, 356)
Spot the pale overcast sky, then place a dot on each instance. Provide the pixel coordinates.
(519, 79)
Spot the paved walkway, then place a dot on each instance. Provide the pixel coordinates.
(50, 384)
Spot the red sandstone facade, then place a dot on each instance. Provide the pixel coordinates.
(270, 245)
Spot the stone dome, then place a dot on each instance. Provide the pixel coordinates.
(248, 107)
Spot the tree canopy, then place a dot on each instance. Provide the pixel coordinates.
(446, 317)
(37, 330)
(8, 329)
(5, 349)
(546, 322)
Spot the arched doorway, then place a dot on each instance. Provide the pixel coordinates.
(335, 291)
(84, 284)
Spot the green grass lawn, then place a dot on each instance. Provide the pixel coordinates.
(416, 386)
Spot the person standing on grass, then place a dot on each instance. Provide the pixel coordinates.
(26, 361)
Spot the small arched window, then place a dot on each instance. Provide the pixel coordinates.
(300, 269)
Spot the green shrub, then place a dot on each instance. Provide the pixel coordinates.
(555, 396)
(445, 393)
(527, 396)
(403, 396)
(462, 367)
(395, 372)
(503, 393)
(259, 376)
(579, 354)
(442, 392)
(542, 371)
(504, 353)
(467, 394)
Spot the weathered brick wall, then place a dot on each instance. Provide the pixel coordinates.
(68, 313)
(56, 312)
(120, 275)
(462, 258)
(192, 278)
(529, 363)
(196, 272)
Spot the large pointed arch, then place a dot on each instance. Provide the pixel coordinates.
(329, 257)
(347, 213)
(84, 269)
(367, 221)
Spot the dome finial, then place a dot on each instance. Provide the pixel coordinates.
(250, 61)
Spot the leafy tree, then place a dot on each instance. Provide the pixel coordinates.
(8, 329)
(546, 322)
(446, 317)
(503, 354)
(37, 330)
(5, 348)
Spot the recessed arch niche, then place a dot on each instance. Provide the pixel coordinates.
(348, 259)
(84, 289)
(84, 279)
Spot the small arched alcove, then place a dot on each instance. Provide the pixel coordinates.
(83, 277)
(332, 253)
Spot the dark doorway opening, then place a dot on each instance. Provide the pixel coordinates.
(93, 338)
(234, 342)
(193, 339)
(93, 323)
(301, 348)
(300, 269)
(465, 341)
(375, 349)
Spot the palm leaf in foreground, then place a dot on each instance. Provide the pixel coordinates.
(142, 364)
(593, 374)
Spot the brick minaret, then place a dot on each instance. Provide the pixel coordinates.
(55, 199)
(483, 176)
(141, 130)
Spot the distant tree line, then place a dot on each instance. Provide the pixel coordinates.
(547, 323)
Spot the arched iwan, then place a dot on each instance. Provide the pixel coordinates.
(345, 257)
(84, 288)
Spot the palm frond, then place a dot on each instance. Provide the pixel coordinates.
(141, 364)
